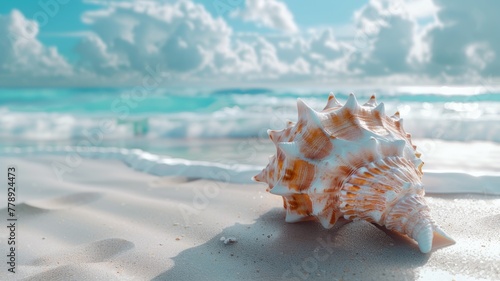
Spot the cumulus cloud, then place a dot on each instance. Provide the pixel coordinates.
(421, 10)
(443, 39)
(184, 38)
(23, 56)
(318, 52)
(426, 38)
(96, 56)
(180, 36)
(388, 35)
(273, 14)
(429, 39)
(465, 41)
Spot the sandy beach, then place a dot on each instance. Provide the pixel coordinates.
(105, 221)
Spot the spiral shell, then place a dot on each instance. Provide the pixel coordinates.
(351, 161)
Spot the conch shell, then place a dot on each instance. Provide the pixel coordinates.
(351, 161)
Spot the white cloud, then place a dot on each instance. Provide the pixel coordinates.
(385, 39)
(319, 50)
(439, 40)
(96, 55)
(479, 55)
(400, 41)
(268, 13)
(184, 38)
(420, 9)
(325, 46)
(466, 41)
(181, 36)
(23, 56)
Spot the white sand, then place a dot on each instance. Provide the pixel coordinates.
(106, 221)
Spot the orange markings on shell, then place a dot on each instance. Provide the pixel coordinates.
(300, 125)
(342, 125)
(352, 195)
(299, 175)
(275, 168)
(332, 207)
(335, 178)
(394, 127)
(368, 175)
(316, 144)
(359, 181)
(369, 121)
(300, 204)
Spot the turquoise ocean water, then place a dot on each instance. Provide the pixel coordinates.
(178, 122)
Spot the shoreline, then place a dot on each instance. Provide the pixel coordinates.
(444, 172)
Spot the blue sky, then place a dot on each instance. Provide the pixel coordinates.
(253, 42)
(67, 20)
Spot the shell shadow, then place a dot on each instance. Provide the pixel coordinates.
(270, 249)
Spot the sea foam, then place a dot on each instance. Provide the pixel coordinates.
(227, 123)
(435, 181)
